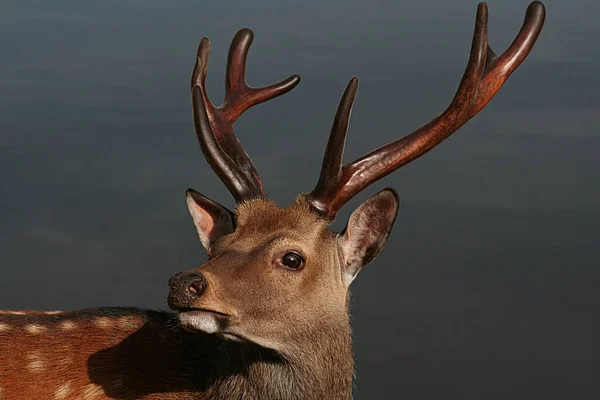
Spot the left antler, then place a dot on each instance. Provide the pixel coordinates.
(214, 125)
(483, 77)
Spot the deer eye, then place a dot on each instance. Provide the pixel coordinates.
(292, 261)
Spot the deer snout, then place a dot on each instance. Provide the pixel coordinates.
(185, 290)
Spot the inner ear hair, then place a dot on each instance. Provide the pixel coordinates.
(211, 219)
(368, 229)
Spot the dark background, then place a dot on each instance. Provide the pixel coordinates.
(489, 285)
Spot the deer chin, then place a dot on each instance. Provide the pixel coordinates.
(203, 320)
(211, 322)
(219, 324)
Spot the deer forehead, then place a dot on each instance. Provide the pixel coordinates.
(259, 218)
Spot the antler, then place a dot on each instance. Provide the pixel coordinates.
(483, 77)
(214, 125)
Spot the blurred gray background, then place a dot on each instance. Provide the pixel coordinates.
(489, 285)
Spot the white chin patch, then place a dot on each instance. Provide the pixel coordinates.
(200, 321)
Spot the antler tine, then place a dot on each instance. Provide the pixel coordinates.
(334, 152)
(238, 89)
(500, 68)
(214, 125)
(484, 75)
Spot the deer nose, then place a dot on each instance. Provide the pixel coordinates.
(185, 289)
(194, 285)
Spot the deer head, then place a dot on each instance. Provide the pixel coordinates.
(279, 277)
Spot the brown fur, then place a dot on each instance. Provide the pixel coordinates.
(129, 353)
(296, 326)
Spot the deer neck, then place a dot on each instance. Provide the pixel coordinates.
(320, 367)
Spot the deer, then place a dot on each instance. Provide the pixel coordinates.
(266, 316)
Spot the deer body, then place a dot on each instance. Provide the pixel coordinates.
(93, 354)
(266, 317)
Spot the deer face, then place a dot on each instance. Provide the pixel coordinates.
(275, 275)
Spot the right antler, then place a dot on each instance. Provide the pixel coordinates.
(214, 125)
(483, 77)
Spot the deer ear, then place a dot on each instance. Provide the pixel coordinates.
(367, 231)
(212, 220)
